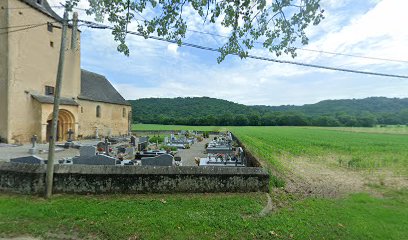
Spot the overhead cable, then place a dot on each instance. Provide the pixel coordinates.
(100, 26)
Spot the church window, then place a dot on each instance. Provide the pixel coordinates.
(49, 27)
(98, 111)
(39, 2)
(49, 90)
(124, 112)
(51, 44)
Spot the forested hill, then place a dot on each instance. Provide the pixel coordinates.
(349, 106)
(211, 111)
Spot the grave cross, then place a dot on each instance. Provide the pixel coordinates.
(33, 149)
(70, 132)
(132, 140)
(34, 141)
(106, 146)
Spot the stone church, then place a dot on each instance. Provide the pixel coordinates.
(30, 36)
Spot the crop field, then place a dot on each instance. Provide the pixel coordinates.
(397, 129)
(347, 149)
(334, 184)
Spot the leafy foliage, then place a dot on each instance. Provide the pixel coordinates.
(279, 24)
(215, 112)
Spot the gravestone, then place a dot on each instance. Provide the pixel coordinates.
(94, 160)
(70, 132)
(100, 146)
(97, 133)
(166, 139)
(29, 160)
(130, 151)
(160, 160)
(33, 150)
(133, 141)
(143, 139)
(87, 151)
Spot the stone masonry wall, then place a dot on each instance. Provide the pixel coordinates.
(83, 179)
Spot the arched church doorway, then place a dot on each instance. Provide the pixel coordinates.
(66, 122)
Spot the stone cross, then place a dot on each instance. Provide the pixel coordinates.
(70, 132)
(34, 141)
(106, 146)
(33, 149)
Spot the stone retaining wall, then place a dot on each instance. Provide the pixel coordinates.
(252, 161)
(83, 179)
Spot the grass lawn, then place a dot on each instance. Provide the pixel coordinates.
(201, 216)
(236, 216)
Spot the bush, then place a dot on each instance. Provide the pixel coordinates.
(155, 139)
(170, 148)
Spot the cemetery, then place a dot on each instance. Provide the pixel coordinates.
(176, 162)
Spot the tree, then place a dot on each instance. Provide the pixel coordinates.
(279, 24)
(326, 121)
(366, 119)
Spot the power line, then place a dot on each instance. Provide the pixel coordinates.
(16, 8)
(302, 49)
(313, 50)
(100, 26)
(223, 36)
(218, 35)
(20, 26)
(22, 29)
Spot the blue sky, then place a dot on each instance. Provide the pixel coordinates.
(362, 27)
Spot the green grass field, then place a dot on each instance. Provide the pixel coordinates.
(347, 149)
(236, 216)
(200, 216)
(399, 129)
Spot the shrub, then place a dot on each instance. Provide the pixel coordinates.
(155, 139)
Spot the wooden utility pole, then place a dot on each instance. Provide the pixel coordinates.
(52, 140)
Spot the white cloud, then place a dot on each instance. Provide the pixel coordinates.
(172, 48)
(376, 31)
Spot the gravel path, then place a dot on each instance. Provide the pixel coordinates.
(196, 150)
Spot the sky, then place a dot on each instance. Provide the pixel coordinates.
(374, 28)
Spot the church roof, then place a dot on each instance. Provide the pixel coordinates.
(95, 87)
(43, 7)
(50, 99)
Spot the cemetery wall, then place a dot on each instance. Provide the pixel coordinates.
(252, 161)
(111, 120)
(3, 73)
(30, 179)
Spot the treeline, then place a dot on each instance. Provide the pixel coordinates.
(210, 111)
(281, 119)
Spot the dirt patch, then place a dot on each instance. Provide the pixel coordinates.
(319, 179)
